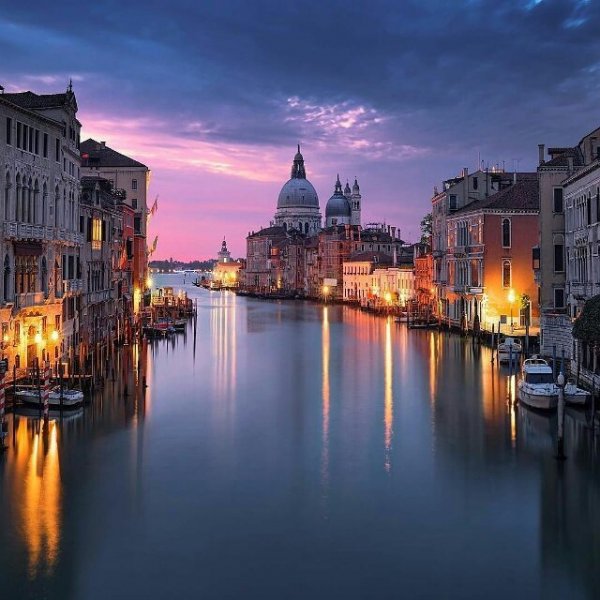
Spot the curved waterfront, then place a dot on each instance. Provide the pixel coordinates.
(301, 451)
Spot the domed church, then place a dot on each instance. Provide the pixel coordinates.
(338, 210)
(298, 203)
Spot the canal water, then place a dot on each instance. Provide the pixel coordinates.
(294, 450)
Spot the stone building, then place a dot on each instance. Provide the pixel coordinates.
(424, 291)
(226, 272)
(457, 193)
(550, 257)
(124, 173)
(490, 280)
(40, 237)
(106, 304)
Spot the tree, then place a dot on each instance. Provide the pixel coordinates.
(587, 325)
(426, 229)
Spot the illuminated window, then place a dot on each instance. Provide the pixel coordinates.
(506, 274)
(96, 234)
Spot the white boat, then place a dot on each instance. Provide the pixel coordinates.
(536, 387)
(31, 395)
(575, 395)
(509, 347)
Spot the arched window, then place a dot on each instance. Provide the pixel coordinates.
(29, 203)
(506, 233)
(7, 196)
(6, 280)
(44, 277)
(17, 196)
(285, 226)
(306, 228)
(56, 206)
(36, 199)
(506, 274)
(44, 202)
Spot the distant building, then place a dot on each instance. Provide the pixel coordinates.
(226, 272)
(298, 203)
(424, 290)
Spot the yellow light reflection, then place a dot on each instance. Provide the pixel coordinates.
(326, 397)
(388, 399)
(39, 506)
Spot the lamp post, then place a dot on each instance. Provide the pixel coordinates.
(325, 292)
(511, 299)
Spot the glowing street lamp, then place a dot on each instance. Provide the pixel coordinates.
(511, 299)
(325, 292)
(54, 336)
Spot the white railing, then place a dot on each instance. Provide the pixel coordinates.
(29, 231)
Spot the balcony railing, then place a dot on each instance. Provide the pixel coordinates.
(29, 299)
(29, 231)
(72, 285)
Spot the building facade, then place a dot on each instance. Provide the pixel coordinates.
(40, 237)
(490, 279)
(124, 173)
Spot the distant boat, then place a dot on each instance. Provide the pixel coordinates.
(507, 348)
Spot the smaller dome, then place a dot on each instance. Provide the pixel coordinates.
(347, 190)
(355, 188)
(338, 206)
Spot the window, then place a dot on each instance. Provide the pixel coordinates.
(96, 234)
(9, 130)
(559, 298)
(535, 258)
(134, 184)
(475, 183)
(506, 233)
(452, 203)
(19, 133)
(558, 200)
(37, 142)
(45, 146)
(57, 150)
(559, 258)
(134, 203)
(506, 274)
(588, 206)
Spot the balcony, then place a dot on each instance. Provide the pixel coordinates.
(29, 299)
(72, 285)
(28, 231)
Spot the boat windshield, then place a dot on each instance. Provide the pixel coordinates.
(539, 378)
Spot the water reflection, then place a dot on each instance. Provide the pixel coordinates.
(37, 495)
(388, 396)
(326, 398)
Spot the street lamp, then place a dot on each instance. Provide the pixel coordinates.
(511, 299)
(325, 292)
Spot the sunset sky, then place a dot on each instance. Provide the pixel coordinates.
(214, 96)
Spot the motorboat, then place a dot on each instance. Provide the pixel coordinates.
(179, 324)
(575, 395)
(31, 395)
(536, 388)
(509, 347)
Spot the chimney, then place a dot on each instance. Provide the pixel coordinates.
(466, 176)
(514, 177)
(393, 232)
(570, 163)
(541, 153)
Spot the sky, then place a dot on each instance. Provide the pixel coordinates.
(214, 96)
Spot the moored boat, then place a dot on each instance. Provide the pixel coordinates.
(536, 387)
(575, 395)
(509, 348)
(31, 395)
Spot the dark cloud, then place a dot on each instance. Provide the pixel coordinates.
(449, 78)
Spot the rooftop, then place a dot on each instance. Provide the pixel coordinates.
(98, 154)
(523, 195)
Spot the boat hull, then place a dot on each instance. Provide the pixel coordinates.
(70, 399)
(537, 400)
(505, 357)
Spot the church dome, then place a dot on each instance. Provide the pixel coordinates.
(298, 193)
(338, 205)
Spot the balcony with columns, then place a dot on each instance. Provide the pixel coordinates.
(14, 230)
